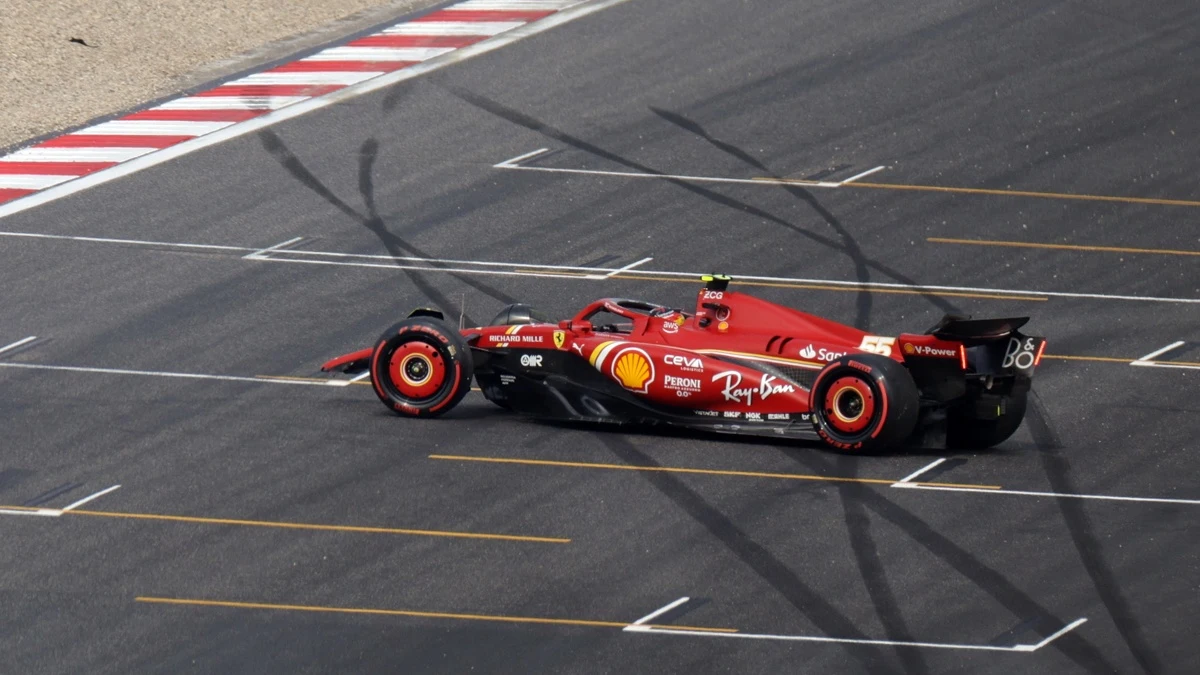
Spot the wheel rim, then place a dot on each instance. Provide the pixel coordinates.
(417, 370)
(849, 405)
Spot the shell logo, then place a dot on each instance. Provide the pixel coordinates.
(908, 348)
(633, 369)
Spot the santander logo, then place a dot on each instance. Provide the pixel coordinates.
(808, 352)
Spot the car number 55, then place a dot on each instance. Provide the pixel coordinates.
(877, 345)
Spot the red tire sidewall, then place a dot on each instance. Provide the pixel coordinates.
(426, 342)
(849, 376)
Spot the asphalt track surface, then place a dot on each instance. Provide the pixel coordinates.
(1095, 98)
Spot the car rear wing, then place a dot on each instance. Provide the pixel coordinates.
(993, 346)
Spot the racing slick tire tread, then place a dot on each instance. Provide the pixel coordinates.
(450, 353)
(967, 433)
(889, 403)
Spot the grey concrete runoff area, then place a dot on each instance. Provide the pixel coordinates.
(1039, 159)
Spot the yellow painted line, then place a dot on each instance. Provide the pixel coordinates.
(293, 378)
(321, 379)
(706, 472)
(998, 193)
(1104, 359)
(1063, 247)
(416, 614)
(310, 526)
(843, 289)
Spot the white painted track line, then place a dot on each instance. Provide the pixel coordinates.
(91, 497)
(628, 267)
(487, 28)
(658, 612)
(1054, 495)
(519, 158)
(52, 513)
(1061, 632)
(77, 155)
(519, 32)
(261, 252)
(516, 4)
(157, 373)
(18, 343)
(650, 630)
(918, 472)
(231, 102)
(1157, 364)
(381, 53)
(31, 182)
(864, 174)
(152, 128)
(1157, 352)
(666, 176)
(528, 269)
(334, 77)
(127, 242)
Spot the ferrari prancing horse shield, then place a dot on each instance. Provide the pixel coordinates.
(560, 339)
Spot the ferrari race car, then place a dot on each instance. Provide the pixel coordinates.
(737, 364)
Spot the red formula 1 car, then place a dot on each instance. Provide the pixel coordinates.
(738, 364)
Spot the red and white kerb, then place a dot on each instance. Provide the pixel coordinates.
(107, 144)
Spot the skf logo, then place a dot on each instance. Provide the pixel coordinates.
(531, 360)
(560, 339)
(633, 369)
(808, 352)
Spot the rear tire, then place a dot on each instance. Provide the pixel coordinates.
(864, 403)
(421, 368)
(969, 433)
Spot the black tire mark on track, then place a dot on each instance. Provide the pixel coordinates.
(1083, 536)
(535, 125)
(807, 600)
(872, 569)
(850, 247)
(395, 246)
(1072, 645)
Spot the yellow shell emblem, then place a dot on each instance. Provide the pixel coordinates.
(632, 368)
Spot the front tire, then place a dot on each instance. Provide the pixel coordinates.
(421, 368)
(864, 403)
